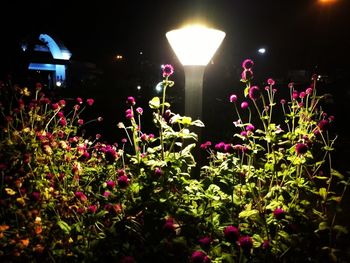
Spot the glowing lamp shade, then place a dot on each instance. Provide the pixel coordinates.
(195, 45)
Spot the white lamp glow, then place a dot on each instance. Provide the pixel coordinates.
(195, 45)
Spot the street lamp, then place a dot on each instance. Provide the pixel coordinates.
(194, 46)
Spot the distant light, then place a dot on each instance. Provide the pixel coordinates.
(58, 83)
(262, 50)
(119, 57)
(138, 87)
(24, 47)
(327, 1)
(195, 44)
(141, 53)
(159, 87)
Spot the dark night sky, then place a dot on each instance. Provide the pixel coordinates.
(295, 32)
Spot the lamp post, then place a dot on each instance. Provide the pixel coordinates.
(194, 46)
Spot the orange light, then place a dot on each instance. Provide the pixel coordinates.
(327, 1)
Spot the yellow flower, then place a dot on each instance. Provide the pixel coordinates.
(9, 191)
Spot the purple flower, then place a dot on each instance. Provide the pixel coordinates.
(253, 92)
(301, 148)
(168, 70)
(265, 244)
(231, 233)
(247, 64)
(244, 105)
(233, 98)
(199, 257)
(90, 101)
(123, 181)
(245, 242)
(279, 213)
(131, 101)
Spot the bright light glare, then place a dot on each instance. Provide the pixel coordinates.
(327, 1)
(58, 83)
(159, 87)
(138, 87)
(195, 45)
(262, 50)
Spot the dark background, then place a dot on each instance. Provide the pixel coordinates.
(298, 35)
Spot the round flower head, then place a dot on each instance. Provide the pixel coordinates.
(90, 102)
(79, 100)
(254, 92)
(233, 98)
(139, 110)
(279, 213)
(231, 233)
(205, 242)
(301, 148)
(247, 64)
(323, 125)
(247, 74)
(168, 70)
(131, 101)
(245, 242)
(244, 105)
(250, 127)
(199, 257)
(270, 81)
(158, 171)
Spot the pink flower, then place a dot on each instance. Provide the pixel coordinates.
(308, 91)
(302, 95)
(295, 95)
(62, 103)
(283, 101)
(55, 106)
(199, 257)
(98, 136)
(81, 196)
(158, 171)
(265, 244)
(90, 102)
(253, 92)
(144, 137)
(245, 242)
(92, 208)
(323, 125)
(168, 226)
(279, 213)
(168, 70)
(63, 121)
(247, 64)
(139, 110)
(80, 121)
(205, 242)
(247, 74)
(244, 105)
(129, 114)
(123, 181)
(205, 145)
(131, 101)
(231, 233)
(233, 98)
(106, 193)
(250, 127)
(301, 148)
(110, 184)
(270, 81)
(79, 100)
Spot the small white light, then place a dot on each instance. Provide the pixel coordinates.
(138, 87)
(159, 87)
(58, 83)
(262, 50)
(141, 52)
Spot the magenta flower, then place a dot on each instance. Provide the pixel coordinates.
(106, 193)
(62, 103)
(90, 101)
(131, 101)
(265, 244)
(253, 92)
(129, 114)
(279, 213)
(123, 181)
(124, 140)
(79, 100)
(308, 91)
(247, 64)
(168, 70)
(80, 195)
(55, 106)
(302, 95)
(247, 74)
(80, 121)
(295, 95)
(270, 81)
(92, 208)
(110, 184)
(169, 227)
(139, 110)
(233, 98)
(301, 148)
(205, 145)
(250, 127)
(283, 101)
(244, 105)
(199, 257)
(158, 171)
(63, 121)
(205, 242)
(144, 137)
(231, 233)
(245, 242)
(323, 125)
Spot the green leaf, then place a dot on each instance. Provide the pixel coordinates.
(248, 213)
(198, 123)
(340, 229)
(64, 226)
(323, 193)
(154, 103)
(323, 226)
(337, 174)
